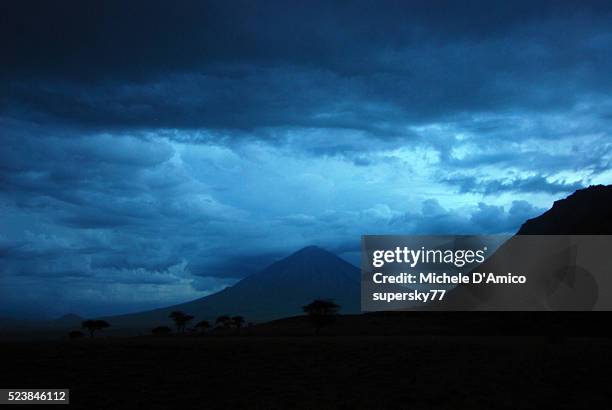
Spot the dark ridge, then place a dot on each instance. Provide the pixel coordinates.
(585, 212)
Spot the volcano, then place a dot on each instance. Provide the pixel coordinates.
(280, 290)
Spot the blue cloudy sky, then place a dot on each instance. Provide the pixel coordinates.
(153, 153)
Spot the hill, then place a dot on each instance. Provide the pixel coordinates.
(563, 272)
(585, 212)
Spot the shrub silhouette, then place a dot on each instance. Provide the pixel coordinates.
(76, 334)
(94, 325)
(180, 319)
(321, 313)
(161, 331)
(224, 321)
(202, 325)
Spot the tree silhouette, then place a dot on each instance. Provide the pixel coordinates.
(161, 330)
(321, 313)
(94, 325)
(202, 325)
(238, 321)
(224, 321)
(180, 319)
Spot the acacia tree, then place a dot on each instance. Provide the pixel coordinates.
(180, 320)
(224, 321)
(321, 313)
(94, 325)
(202, 325)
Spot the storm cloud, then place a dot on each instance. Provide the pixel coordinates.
(154, 152)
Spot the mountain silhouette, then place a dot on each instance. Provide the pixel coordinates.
(585, 212)
(280, 290)
(561, 249)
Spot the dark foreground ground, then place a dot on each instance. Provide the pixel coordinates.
(406, 372)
